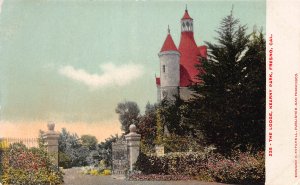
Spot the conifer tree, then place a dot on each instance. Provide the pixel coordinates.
(228, 106)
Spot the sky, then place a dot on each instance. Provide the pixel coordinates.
(72, 61)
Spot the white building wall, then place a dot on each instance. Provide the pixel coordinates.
(185, 93)
(158, 93)
(169, 73)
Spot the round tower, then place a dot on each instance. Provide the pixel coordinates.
(169, 57)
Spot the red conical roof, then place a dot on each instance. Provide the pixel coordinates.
(169, 44)
(186, 15)
(188, 59)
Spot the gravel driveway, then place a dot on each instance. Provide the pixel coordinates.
(74, 177)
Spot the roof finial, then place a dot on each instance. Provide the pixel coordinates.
(168, 29)
(186, 7)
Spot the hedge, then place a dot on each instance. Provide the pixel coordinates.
(241, 168)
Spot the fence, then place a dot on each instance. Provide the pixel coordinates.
(50, 138)
(28, 142)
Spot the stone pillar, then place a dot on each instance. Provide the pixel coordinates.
(51, 142)
(133, 143)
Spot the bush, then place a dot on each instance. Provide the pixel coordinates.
(29, 166)
(91, 170)
(189, 164)
(176, 143)
(65, 160)
(106, 172)
(241, 168)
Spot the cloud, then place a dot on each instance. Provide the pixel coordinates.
(111, 75)
(1, 2)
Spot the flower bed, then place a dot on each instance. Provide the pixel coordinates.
(90, 170)
(28, 166)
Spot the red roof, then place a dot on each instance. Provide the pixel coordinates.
(157, 81)
(169, 44)
(189, 56)
(186, 15)
(188, 59)
(203, 51)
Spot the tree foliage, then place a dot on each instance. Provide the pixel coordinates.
(105, 149)
(129, 113)
(228, 107)
(89, 141)
(72, 152)
(147, 127)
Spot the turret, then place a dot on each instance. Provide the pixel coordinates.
(169, 57)
(186, 22)
(188, 50)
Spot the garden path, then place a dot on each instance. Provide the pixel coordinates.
(74, 177)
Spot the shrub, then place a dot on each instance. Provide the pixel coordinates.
(106, 172)
(91, 170)
(241, 168)
(65, 160)
(172, 164)
(29, 166)
(176, 143)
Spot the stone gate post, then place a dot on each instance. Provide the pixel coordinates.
(133, 143)
(51, 142)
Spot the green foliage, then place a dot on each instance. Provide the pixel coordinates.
(1, 164)
(175, 143)
(89, 141)
(65, 160)
(159, 127)
(172, 164)
(172, 115)
(29, 166)
(105, 150)
(41, 139)
(147, 128)
(74, 151)
(229, 106)
(129, 113)
(207, 166)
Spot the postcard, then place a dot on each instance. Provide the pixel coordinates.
(149, 92)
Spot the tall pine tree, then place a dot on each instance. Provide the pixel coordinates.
(228, 107)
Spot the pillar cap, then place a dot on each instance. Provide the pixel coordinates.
(132, 128)
(51, 131)
(132, 135)
(51, 126)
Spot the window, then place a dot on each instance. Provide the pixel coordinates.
(164, 68)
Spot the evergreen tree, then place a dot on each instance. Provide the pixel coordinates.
(228, 106)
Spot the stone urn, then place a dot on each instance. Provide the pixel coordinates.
(51, 126)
